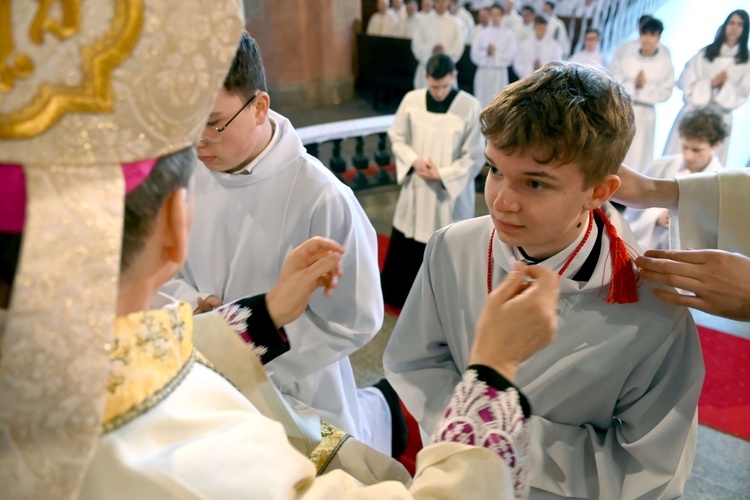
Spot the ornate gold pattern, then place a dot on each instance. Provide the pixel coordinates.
(59, 321)
(150, 351)
(333, 439)
(94, 94)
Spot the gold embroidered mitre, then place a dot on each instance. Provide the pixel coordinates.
(85, 86)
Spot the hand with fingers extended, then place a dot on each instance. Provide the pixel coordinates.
(519, 318)
(314, 264)
(719, 281)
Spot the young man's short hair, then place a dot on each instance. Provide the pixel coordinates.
(568, 113)
(643, 19)
(652, 25)
(540, 20)
(594, 31)
(247, 75)
(529, 8)
(549, 4)
(439, 66)
(170, 173)
(497, 6)
(704, 124)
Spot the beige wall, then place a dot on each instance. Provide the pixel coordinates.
(308, 48)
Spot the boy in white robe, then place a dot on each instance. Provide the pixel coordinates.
(617, 394)
(438, 31)
(258, 195)
(492, 51)
(536, 50)
(718, 74)
(702, 131)
(556, 28)
(384, 22)
(438, 150)
(590, 53)
(483, 18)
(649, 77)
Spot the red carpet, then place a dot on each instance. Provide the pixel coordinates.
(725, 400)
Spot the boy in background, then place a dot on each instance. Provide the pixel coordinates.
(702, 130)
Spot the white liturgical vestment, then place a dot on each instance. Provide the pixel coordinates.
(245, 224)
(713, 211)
(491, 76)
(659, 82)
(614, 397)
(532, 50)
(435, 29)
(695, 83)
(453, 141)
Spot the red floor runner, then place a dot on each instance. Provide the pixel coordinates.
(725, 399)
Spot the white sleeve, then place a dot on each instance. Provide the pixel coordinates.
(734, 93)
(479, 50)
(462, 170)
(648, 450)
(400, 136)
(696, 86)
(657, 89)
(420, 43)
(713, 210)
(455, 46)
(333, 327)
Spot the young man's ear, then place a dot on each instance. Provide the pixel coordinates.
(262, 105)
(603, 191)
(177, 226)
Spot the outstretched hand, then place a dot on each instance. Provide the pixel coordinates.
(639, 191)
(718, 280)
(518, 319)
(314, 264)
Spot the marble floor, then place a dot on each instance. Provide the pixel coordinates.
(722, 466)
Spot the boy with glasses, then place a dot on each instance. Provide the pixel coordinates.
(259, 196)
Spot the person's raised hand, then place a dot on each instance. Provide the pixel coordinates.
(719, 281)
(207, 304)
(518, 319)
(314, 264)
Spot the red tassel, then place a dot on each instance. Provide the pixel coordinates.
(623, 288)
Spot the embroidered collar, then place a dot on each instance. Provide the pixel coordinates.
(150, 353)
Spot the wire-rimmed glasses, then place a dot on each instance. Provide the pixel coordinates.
(212, 135)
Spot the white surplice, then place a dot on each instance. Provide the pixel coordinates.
(492, 70)
(384, 24)
(514, 22)
(558, 31)
(245, 224)
(648, 233)
(434, 29)
(614, 396)
(695, 83)
(713, 211)
(593, 58)
(659, 76)
(532, 49)
(454, 142)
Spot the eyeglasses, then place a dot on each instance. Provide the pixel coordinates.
(212, 135)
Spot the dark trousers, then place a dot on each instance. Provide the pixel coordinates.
(402, 263)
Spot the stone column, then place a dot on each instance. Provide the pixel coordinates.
(308, 48)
